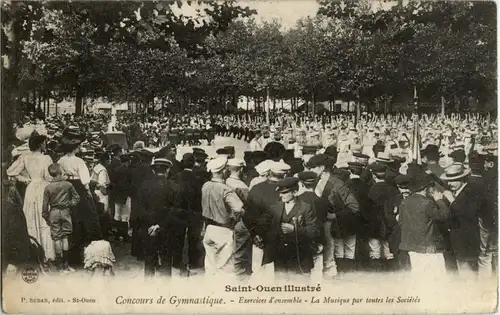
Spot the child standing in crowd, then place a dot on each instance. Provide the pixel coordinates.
(58, 199)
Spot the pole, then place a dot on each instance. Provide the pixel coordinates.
(267, 107)
(442, 107)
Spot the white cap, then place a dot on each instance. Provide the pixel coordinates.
(264, 167)
(216, 165)
(236, 162)
(280, 168)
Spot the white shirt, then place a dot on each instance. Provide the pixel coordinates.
(289, 206)
(72, 165)
(100, 175)
(455, 194)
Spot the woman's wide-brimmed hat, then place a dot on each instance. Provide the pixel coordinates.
(71, 137)
(455, 171)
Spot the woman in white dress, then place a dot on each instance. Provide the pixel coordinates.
(35, 164)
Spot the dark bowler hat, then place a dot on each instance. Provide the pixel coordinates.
(420, 182)
(476, 161)
(309, 149)
(378, 168)
(355, 165)
(187, 158)
(458, 156)
(332, 151)
(402, 180)
(289, 155)
(398, 159)
(296, 165)
(307, 177)
(223, 151)
(429, 149)
(230, 149)
(287, 184)
(145, 154)
(198, 150)
(317, 160)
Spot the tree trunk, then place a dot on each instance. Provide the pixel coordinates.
(282, 106)
(274, 104)
(79, 101)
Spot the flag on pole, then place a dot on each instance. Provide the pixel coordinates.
(416, 146)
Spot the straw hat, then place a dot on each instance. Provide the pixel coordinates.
(455, 171)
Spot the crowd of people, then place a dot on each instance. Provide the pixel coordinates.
(312, 196)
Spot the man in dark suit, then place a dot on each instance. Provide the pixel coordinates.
(200, 164)
(320, 206)
(190, 186)
(466, 204)
(341, 202)
(393, 228)
(260, 199)
(293, 230)
(378, 195)
(488, 215)
(140, 172)
(346, 256)
(122, 183)
(158, 197)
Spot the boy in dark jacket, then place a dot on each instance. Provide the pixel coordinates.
(58, 199)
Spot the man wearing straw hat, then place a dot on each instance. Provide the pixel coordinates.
(466, 204)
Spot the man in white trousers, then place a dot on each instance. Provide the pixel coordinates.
(222, 209)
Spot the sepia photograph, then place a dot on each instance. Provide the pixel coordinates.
(267, 157)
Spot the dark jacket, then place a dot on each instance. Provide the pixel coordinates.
(157, 199)
(140, 173)
(320, 208)
(419, 216)
(190, 190)
(122, 184)
(343, 203)
(486, 214)
(378, 195)
(464, 233)
(307, 231)
(393, 229)
(260, 199)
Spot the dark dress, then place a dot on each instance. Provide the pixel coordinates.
(15, 238)
(86, 227)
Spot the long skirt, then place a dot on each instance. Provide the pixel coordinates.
(86, 227)
(37, 226)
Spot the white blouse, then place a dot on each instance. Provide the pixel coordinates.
(74, 166)
(33, 165)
